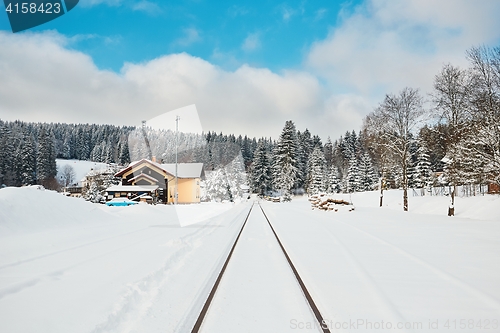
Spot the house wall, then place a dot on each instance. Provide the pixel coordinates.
(189, 190)
(145, 169)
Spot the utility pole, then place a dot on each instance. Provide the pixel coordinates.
(176, 194)
(145, 135)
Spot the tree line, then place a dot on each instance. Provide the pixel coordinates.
(448, 138)
(28, 151)
(451, 137)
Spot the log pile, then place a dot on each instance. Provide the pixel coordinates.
(323, 202)
(272, 199)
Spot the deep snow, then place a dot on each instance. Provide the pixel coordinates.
(67, 265)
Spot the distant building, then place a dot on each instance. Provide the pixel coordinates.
(152, 179)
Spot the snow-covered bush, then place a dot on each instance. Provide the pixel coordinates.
(227, 183)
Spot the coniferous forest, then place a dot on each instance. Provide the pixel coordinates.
(450, 137)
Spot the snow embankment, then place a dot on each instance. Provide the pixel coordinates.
(29, 209)
(72, 266)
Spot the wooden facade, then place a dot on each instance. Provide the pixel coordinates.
(146, 174)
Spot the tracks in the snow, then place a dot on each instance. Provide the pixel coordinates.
(307, 295)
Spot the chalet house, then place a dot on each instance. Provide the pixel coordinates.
(149, 178)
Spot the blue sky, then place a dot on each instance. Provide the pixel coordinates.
(248, 66)
(228, 33)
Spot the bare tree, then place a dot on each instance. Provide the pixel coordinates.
(378, 146)
(67, 175)
(450, 97)
(485, 106)
(394, 122)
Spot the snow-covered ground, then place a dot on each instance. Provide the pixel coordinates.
(412, 270)
(480, 207)
(81, 168)
(67, 265)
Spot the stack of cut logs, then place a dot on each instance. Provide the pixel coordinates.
(272, 199)
(323, 202)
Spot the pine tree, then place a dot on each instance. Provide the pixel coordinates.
(285, 161)
(261, 169)
(423, 170)
(46, 168)
(124, 153)
(27, 161)
(305, 146)
(367, 176)
(353, 181)
(332, 181)
(328, 150)
(316, 168)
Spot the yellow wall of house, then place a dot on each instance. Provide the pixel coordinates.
(189, 190)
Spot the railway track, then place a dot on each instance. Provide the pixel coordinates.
(212, 295)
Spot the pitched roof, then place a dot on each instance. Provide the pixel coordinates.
(184, 170)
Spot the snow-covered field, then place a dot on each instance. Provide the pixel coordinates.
(81, 168)
(67, 265)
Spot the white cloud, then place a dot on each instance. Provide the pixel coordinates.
(320, 13)
(385, 45)
(379, 48)
(90, 3)
(147, 6)
(251, 43)
(45, 81)
(235, 11)
(191, 36)
(287, 12)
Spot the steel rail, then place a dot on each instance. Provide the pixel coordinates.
(322, 323)
(206, 306)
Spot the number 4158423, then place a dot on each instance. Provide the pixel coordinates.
(33, 8)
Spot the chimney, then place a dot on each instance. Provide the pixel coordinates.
(153, 159)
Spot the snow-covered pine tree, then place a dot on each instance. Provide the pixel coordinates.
(332, 180)
(236, 177)
(285, 167)
(96, 154)
(328, 150)
(108, 156)
(27, 160)
(353, 183)
(305, 146)
(6, 152)
(316, 168)
(367, 175)
(261, 170)
(46, 168)
(423, 170)
(124, 157)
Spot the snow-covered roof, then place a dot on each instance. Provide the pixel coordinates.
(184, 170)
(132, 188)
